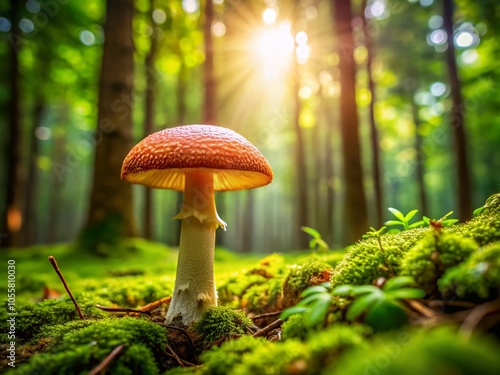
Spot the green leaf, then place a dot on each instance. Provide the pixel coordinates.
(292, 311)
(449, 222)
(394, 222)
(427, 220)
(362, 289)
(410, 215)
(343, 290)
(318, 312)
(398, 282)
(309, 299)
(314, 290)
(417, 224)
(405, 293)
(312, 232)
(361, 304)
(393, 231)
(397, 213)
(478, 210)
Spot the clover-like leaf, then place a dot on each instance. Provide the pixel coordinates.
(362, 303)
(405, 293)
(398, 282)
(410, 215)
(397, 213)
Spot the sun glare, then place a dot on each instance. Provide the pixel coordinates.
(275, 48)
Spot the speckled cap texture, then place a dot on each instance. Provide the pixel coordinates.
(162, 159)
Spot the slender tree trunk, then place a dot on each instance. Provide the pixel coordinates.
(419, 159)
(355, 211)
(329, 171)
(209, 116)
(12, 221)
(374, 139)
(457, 119)
(110, 214)
(149, 117)
(248, 225)
(301, 174)
(31, 222)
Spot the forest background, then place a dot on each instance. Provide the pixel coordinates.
(358, 106)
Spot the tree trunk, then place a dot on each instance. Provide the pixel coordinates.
(209, 116)
(374, 139)
(110, 214)
(31, 222)
(300, 165)
(12, 221)
(149, 113)
(248, 225)
(355, 210)
(457, 119)
(419, 159)
(329, 171)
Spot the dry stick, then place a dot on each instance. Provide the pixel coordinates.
(267, 315)
(179, 360)
(153, 305)
(478, 313)
(421, 308)
(264, 331)
(52, 260)
(122, 309)
(105, 363)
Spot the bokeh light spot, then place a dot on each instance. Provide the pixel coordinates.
(218, 29)
(159, 16)
(87, 37)
(269, 16)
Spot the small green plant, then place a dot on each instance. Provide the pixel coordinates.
(382, 305)
(314, 305)
(316, 243)
(440, 223)
(403, 220)
(373, 233)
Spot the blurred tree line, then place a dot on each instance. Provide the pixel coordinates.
(358, 105)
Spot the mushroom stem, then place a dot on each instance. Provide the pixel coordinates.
(194, 290)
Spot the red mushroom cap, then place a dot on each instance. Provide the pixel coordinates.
(162, 159)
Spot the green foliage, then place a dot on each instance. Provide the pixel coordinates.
(431, 352)
(403, 220)
(32, 318)
(248, 355)
(314, 305)
(382, 306)
(219, 322)
(130, 291)
(484, 228)
(294, 326)
(81, 350)
(431, 256)
(263, 297)
(479, 275)
(365, 261)
(221, 360)
(440, 223)
(316, 243)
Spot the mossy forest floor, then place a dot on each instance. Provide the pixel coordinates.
(422, 301)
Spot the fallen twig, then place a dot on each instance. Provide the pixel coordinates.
(52, 260)
(179, 360)
(264, 331)
(421, 308)
(477, 314)
(267, 315)
(106, 361)
(122, 309)
(155, 304)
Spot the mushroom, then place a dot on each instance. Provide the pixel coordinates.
(198, 160)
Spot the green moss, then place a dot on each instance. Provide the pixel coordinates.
(485, 227)
(222, 360)
(81, 350)
(438, 351)
(301, 276)
(295, 328)
(130, 291)
(365, 261)
(31, 318)
(433, 254)
(479, 275)
(219, 322)
(264, 297)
